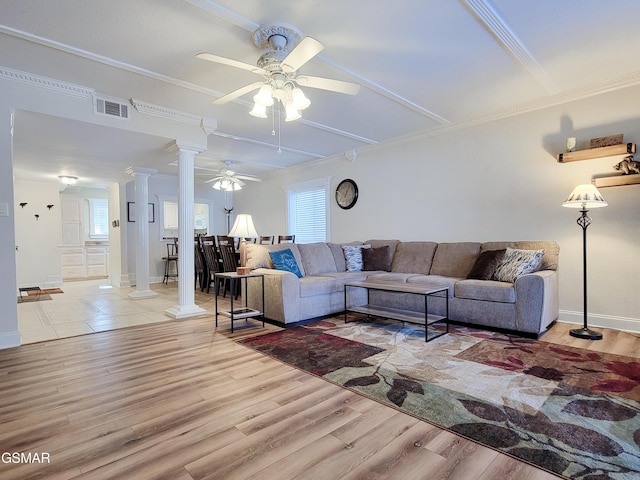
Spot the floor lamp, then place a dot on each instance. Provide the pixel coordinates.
(243, 228)
(585, 197)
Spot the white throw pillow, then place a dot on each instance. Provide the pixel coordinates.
(516, 263)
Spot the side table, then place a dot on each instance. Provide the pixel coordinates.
(243, 311)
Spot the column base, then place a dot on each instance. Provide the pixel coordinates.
(142, 294)
(185, 311)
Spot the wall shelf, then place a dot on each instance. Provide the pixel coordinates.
(600, 152)
(617, 180)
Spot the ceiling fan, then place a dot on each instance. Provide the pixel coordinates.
(228, 180)
(285, 51)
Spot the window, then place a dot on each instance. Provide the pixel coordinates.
(98, 218)
(170, 218)
(308, 210)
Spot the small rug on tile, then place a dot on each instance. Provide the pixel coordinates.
(34, 298)
(49, 291)
(570, 411)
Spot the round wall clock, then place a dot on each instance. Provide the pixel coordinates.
(346, 194)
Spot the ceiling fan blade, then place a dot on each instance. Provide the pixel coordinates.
(231, 63)
(251, 178)
(213, 179)
(235, 180)
(307, 49)
(328, 84)
(237, 93)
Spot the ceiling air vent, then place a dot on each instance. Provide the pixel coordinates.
(108, 107)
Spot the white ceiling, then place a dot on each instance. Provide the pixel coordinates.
(423, 66)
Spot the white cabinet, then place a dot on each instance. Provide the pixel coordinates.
(84, 262)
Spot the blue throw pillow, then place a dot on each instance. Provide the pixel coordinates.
(284, 260)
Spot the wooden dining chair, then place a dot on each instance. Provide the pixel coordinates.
(229, 264)
(266, 240)
(212, 263)
(286, 239)
(199, 266)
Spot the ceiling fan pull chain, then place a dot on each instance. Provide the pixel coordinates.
(279, 132)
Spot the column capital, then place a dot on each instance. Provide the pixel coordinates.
(133, 171)
(180, 146)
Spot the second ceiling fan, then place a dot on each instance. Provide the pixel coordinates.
(285, 51)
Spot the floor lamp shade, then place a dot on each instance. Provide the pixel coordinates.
(585, 197)
(243, 228)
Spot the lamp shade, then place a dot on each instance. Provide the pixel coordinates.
(243, 227)
(586, 197)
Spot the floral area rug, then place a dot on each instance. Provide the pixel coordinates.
(573, 412)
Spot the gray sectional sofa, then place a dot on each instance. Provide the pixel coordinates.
(528, 305)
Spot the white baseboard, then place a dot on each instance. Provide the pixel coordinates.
(53, 281)
(604, 321)
(121, 281)
(10, 340)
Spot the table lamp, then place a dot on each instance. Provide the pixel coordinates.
(243, 228)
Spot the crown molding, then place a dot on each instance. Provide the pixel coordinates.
(164, 112)
(45, 82)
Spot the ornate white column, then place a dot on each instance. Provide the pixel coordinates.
(186, 306)
(141, 176)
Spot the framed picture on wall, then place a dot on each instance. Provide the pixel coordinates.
(131, 212)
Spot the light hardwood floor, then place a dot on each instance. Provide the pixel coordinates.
(182, 400)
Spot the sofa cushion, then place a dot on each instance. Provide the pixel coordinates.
(455, 259)
(316, 258)
(518, 262)
(487, 290)
(317, 285)
(486, 264)
(413, 257)
(258, 255)
(376, 259)
(432, 282)
(551, 250)
(284, 260)
(345, 277)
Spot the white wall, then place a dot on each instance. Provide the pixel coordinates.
(496, 181)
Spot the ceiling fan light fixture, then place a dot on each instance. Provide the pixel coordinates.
(264, 96)
(259, 110)
(299, 100)
(292, 113)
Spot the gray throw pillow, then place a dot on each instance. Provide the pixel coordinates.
(516, 263)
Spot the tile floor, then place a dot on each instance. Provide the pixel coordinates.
(94, 306)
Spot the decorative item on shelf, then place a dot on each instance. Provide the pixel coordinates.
(346, 194)
(243, 228)
(23, 204)
(571, 144)
(50, 206)
(628, 165)
(606, 141)
(37, 216)
(585, 197)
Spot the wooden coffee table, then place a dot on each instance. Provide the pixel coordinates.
(403, 315)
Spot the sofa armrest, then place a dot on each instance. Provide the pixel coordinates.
(281, 295)
(537, 301)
